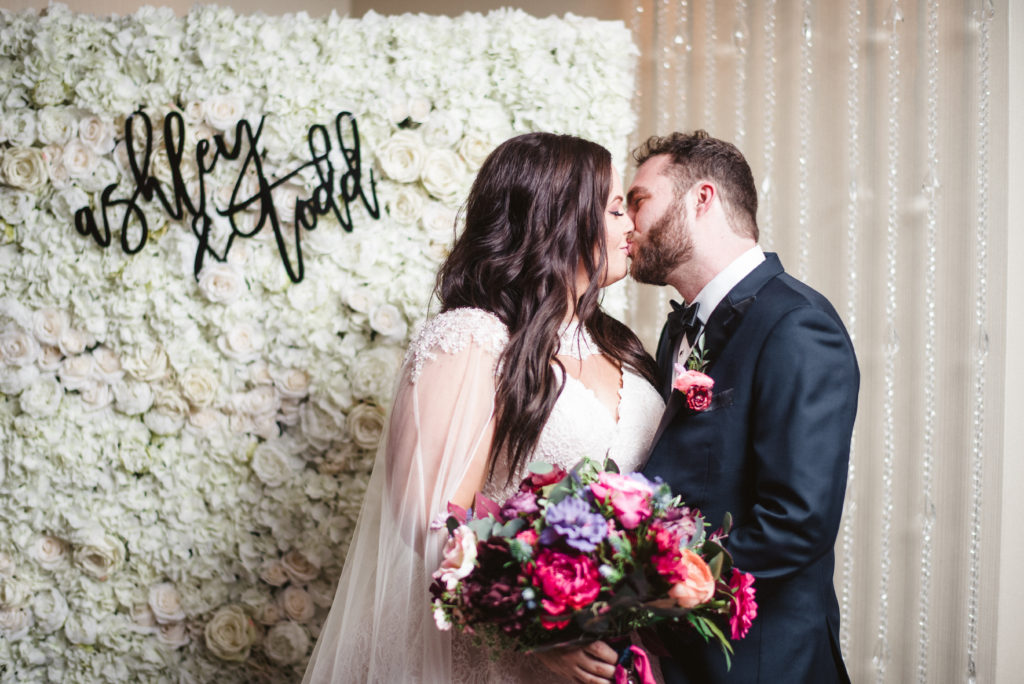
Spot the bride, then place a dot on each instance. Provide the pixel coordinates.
(522, 365)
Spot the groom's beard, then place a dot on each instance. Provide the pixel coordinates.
(666, 245)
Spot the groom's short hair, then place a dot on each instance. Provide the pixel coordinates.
(696, 156)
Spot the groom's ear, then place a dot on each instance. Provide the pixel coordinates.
(704, 194)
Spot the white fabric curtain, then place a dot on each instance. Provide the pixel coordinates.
(876, 130)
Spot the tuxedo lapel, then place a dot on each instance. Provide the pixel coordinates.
(721, 325)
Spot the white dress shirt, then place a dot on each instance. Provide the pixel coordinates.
(716, 290)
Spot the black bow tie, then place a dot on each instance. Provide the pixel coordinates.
(683, 319)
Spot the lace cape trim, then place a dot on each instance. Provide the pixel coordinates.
(453, 331)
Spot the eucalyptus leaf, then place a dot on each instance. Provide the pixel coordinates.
(511, 528)
(481, 527)
(540, 468)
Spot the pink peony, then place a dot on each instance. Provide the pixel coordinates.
(629, 498)
(459, 557)
(743, 607)
(567, 583)
(698, 586)
(695, 386)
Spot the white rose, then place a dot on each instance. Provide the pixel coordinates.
(51, 610)
(243, 342)
(163, 421)
(81, 629)
(299, 567)
(474, 149)
(50, 359)
(174, 634)
(360, 299)
(373, 373)
(274, 573)
(401, 156)
(444, 175)
(388, 321)
(274, 464)
(42, 398)
(24, 168)
(438, 222)
(286, 643)
(199, 386)
(319, 426)
(297, 604)
(366, 425)
(322, 593)
(230, 633)
(224, 111)
(100, 557)
(77, 371)
(17, 347)
(165, 602)
(147, 362)
(13, 592)
(337, 459)
(221, 283)
(283, 197)
(419, 108)
(108, 364)
(406, 205)
(441, 130)
(143, 620)
(15, 623)
(79, 159)
(49, 552)
(259, 373)
(16, 205)
(48, 325)
(74, 341)
(132, 398)
(292, 383)
(260, 401)
(57, 125)
(14, 379)
(67, 201)
(206, 420)
(97, 134)
(269, 614)
(96, 394)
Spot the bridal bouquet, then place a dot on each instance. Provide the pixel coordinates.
(590, 554)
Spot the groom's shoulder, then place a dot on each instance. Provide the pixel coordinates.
(785, 293)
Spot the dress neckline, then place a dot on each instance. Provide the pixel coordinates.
(575, 341)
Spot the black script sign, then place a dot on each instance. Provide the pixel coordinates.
(333, 194)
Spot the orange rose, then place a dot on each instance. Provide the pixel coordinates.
(699, 585)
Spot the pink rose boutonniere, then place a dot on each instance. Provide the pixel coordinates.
(695, 386)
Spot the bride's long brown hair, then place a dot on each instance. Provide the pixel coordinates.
(535, 211)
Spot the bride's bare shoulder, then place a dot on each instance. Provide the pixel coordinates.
(453, 331)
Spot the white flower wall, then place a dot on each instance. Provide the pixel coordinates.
(184, 454)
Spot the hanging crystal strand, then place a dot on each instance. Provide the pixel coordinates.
(740, 39)
(930, 189)
(881, 657)
(632, 289)
(683, 46)
(805, 142)
(984, 16)
(853, 103)
(663, 64)
(767, 199)
(709, 66)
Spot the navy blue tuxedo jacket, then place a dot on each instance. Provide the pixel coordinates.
(772, 450)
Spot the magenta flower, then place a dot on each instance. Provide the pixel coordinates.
(743, 607)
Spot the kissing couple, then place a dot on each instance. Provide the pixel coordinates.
(523, 365)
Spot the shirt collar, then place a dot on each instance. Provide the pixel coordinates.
(716, 290)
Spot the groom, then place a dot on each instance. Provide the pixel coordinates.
(773, 447)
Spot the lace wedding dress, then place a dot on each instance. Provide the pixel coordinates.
(380, 628)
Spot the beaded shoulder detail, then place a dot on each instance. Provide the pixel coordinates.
(453, 331)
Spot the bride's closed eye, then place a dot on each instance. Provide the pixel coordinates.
(617, 212)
